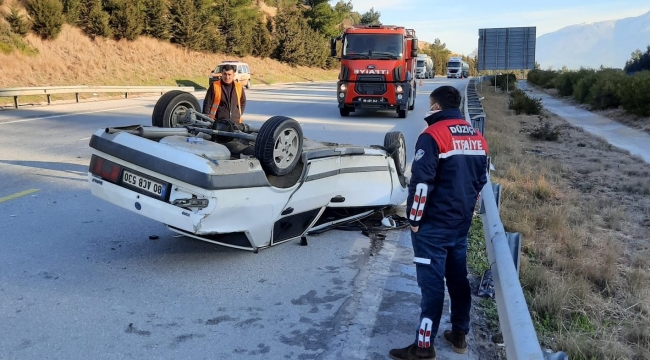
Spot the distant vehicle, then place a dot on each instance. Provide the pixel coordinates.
(425, 67)
(457, 68)
(242, 74)
(377, 69)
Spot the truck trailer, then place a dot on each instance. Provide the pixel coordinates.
(425, 67)
(457, 68)
(377, 68)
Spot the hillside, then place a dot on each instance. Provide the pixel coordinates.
(607, 43)
(75, 59)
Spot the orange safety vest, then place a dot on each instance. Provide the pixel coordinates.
(217, 98)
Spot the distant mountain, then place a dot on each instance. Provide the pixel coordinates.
(608, 43)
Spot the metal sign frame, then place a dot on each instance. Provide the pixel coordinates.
(507, 48)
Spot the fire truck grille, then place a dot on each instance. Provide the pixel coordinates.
(371, 85)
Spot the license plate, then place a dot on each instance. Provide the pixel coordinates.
(152, 187)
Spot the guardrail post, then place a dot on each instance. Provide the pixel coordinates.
(496, 190)
(76, 95)
(514, 241)
(48, 99)
(126, 95)
(16, 101)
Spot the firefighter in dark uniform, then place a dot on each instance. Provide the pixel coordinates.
(448, 172)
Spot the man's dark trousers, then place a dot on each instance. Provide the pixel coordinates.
(441, 254)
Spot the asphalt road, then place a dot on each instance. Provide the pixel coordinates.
(80, 278)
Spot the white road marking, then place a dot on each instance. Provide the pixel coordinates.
(70, 114)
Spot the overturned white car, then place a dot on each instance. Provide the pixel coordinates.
(237, 186)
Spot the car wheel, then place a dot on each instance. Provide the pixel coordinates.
(171, 106)
(402, 113)
(248, 84)
(278, 146)
(396, 145)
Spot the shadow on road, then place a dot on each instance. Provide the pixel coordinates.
(197, 87)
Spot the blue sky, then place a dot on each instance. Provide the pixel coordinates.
(456, 23)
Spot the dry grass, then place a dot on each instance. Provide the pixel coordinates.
(583, 210)
(75, 59)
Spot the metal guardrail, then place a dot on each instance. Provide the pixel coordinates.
(503, 250)
(51, 90)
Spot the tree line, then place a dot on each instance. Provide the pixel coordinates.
(298, 34)
(639, 61)
(604, 88)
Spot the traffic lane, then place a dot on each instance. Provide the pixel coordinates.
(89, 276)
(68, 230)
(330, 126)
(22, 180)
(321, 119)
(62, 142)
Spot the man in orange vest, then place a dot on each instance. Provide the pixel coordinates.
(225, 99)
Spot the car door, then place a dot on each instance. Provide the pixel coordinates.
(306, 204)
(364, 180)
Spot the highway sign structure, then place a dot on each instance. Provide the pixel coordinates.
(506, 48)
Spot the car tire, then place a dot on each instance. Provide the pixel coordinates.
(170, 105)
(402, 113)
(269, 143)
(345, 112)
(396, 145)
(248, 84)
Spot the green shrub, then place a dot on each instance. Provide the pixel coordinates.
(71, 11)
(9, 42)
(565, 82)
(505, 82)
(604, 93)
(521, 103)
(582, 88)
(543, 78)
(17, 21)
(635, 94)
(545, 132)
(47, 17)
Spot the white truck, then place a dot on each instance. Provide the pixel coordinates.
(424, 67)
(457, 68)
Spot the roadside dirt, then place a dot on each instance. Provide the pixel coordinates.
(582, 207)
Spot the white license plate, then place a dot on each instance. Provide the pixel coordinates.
(148, 185)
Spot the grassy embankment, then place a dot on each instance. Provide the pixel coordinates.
(75, 59)
(583, 210)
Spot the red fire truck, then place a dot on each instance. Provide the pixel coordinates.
(377, 68)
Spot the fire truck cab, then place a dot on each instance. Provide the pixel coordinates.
(377, 68)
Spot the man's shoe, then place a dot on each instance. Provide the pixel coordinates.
(413, 352)
(456, 340)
